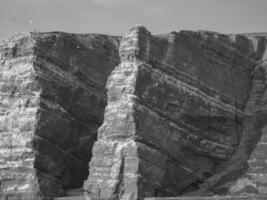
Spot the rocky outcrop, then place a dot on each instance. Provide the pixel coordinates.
(20, 95)
(181, 117)
(227, 197)
(185, 115)
(52, 102)
(253, 143)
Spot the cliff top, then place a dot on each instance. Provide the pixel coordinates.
(18, 36)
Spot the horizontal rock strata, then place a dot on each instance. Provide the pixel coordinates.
(20, 94)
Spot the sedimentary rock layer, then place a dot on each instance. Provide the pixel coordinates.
(253, 144)
(176, 122)
(227, 197)
(185, 114)
(52, 102)
(20, 95)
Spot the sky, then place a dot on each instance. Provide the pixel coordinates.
(115, 17)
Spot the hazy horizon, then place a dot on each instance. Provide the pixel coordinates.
(114, 17)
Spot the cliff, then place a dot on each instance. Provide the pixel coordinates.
(184, 114)
(181, 117)
(52, 102)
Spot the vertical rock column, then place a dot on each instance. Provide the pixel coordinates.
(114, 165)
(19, 104)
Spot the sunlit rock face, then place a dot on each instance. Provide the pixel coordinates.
(184, 112)
(52, 102)
(20, 95)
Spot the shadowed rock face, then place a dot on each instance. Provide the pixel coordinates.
(185, 114)
(52, 102)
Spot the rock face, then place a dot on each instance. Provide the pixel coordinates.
(20, 95)
(185, 115)
(52, 102)
(184, 112)
(253, 143)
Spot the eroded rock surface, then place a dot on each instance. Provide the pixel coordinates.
(184, 112)
(52, 102)
(185, 115)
